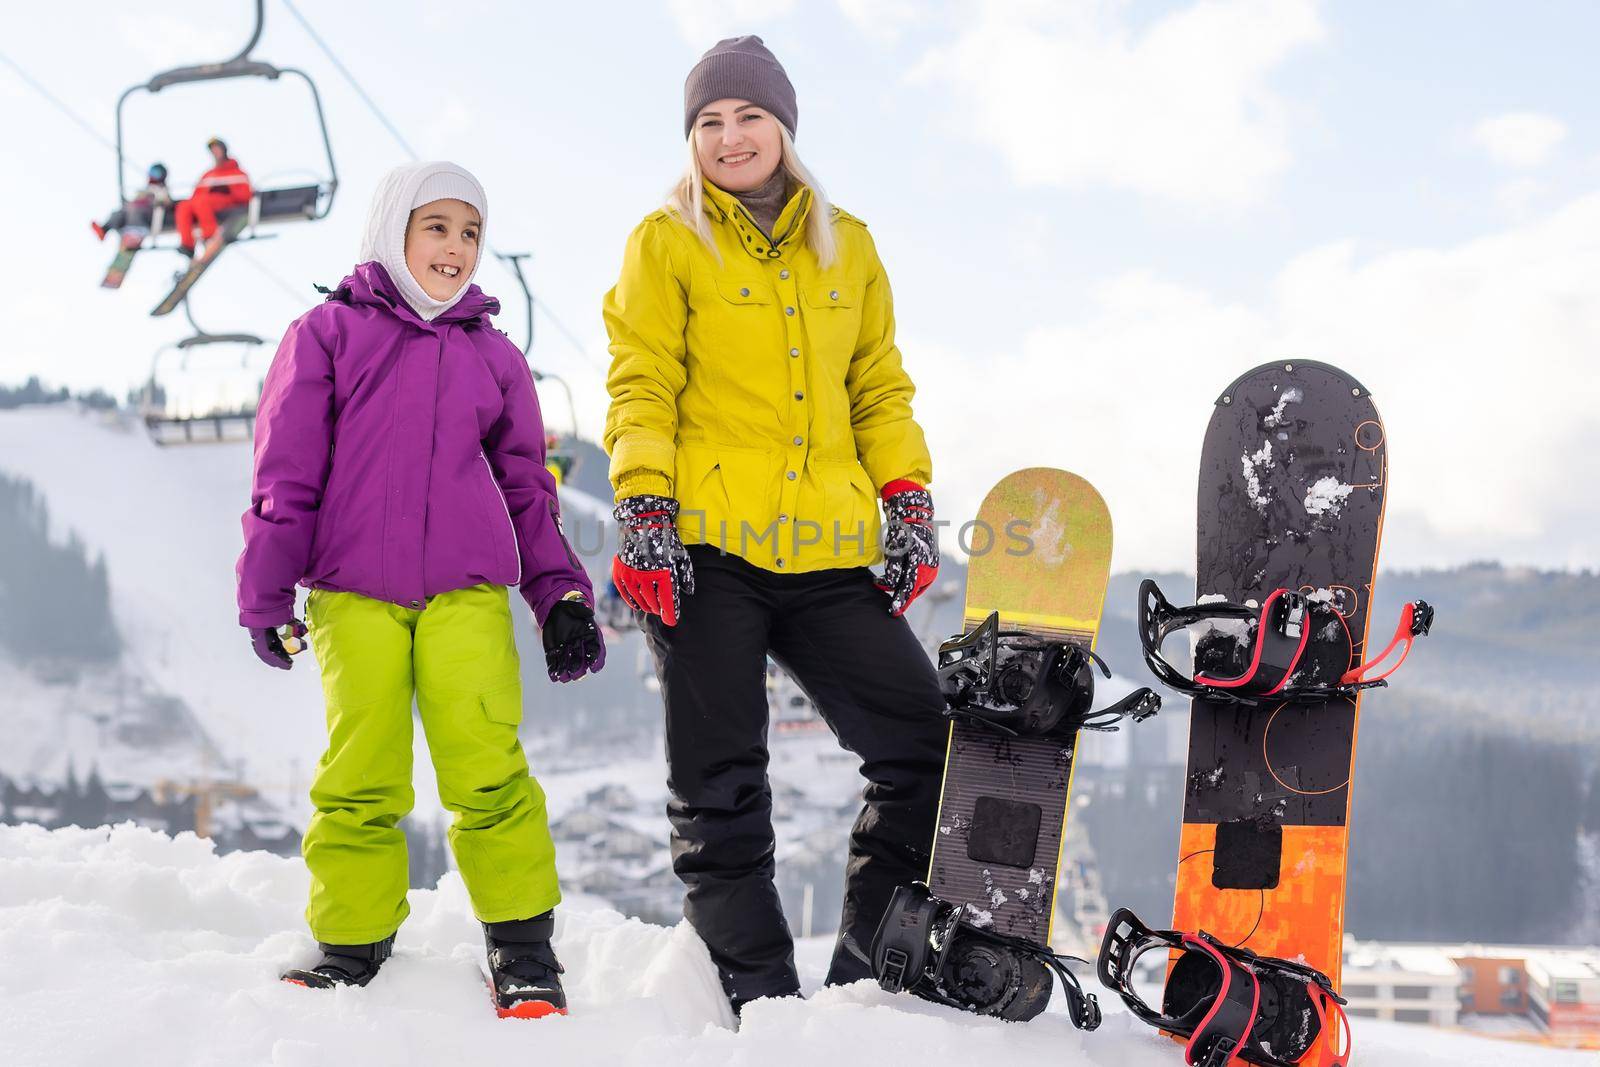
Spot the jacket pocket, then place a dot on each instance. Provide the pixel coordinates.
(503, 704)
(721, 488)
(325, 530)
(745, 291)
(845, 295)
(833, 321)
(702, 499)
(849, 501)
(498, 515)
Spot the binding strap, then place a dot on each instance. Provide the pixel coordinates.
(1217, 1039)
(1416, 619)
(1138, 705)
(1213, 998)
(1327, 1010)
(1281, 634)
(1277, 632)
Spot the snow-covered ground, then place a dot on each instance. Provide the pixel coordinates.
(125, 946)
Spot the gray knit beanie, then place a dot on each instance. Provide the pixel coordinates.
(740, 68)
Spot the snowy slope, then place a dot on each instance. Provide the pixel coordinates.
(167, 521)
(124, 946)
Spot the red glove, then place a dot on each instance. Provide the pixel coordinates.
(911, 547)
(652, 570)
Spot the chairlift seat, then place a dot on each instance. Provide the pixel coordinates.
(296, 203)
(286, 205)
(201, 429)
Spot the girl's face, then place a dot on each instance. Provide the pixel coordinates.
(738, 144)
(442, 246)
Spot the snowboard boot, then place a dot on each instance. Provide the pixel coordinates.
(99, 230)
(343, 965)
(524, 975)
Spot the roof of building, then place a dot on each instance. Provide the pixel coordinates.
(1427, 960)
(1580, 964)
(1560, 961)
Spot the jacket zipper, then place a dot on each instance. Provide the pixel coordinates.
(515, 548)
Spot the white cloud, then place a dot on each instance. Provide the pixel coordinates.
(163, 40)
(1520, 139)
(1181, 109)
(881, 20)
(702, 23)
(1480, 356)
(1518, 196)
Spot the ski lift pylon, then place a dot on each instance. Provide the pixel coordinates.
(513, 260)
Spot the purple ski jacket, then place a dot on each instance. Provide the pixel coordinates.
(398, 458)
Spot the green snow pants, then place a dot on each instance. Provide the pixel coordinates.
(459, 658)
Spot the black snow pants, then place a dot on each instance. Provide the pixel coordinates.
(876, 688)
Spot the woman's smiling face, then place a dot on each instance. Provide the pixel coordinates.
(442, 246)
(738, 144)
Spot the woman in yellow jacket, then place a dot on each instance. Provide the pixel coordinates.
(758, 410)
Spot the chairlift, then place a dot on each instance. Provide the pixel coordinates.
(177, 417)
(285, 204)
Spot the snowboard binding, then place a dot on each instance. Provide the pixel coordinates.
(1023, 686)
(928, 947)
(1230, 1003)
(1295, 647)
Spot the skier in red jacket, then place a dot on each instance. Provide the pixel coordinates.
(222, 187)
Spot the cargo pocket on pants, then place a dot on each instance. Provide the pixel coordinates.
(503, 705)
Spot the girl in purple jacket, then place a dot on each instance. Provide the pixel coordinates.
(400, 475)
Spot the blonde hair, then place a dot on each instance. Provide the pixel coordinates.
(687, 201)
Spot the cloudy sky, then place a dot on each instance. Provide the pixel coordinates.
(1095, 214)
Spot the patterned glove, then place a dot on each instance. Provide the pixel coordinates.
(911, 544)
(275, 644)
(652, 570)
(573, 646)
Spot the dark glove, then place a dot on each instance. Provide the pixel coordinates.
(911, 544)
(572, 642)
(269, 643)
(652, 570)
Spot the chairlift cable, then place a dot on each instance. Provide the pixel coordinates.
(342, 69)
(289, 290)
(542, 306)
(572, 338)
(33, 83)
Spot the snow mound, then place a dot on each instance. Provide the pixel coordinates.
(122, 945)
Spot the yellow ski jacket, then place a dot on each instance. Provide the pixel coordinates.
(763, 392)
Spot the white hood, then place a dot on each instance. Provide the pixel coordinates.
(399, 193)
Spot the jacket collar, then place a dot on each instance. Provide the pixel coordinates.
(369, 283)
(789, 229)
